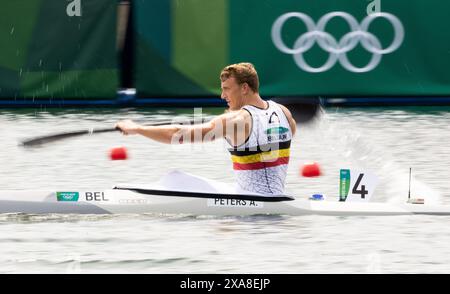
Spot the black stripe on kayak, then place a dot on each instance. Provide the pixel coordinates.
(259, 149)
(209, 195)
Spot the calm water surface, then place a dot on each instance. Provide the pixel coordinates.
(386, 141)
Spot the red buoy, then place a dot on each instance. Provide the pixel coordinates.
(118, 153)
(310, 170)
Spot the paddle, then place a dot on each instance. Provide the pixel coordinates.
(41, 140)
(37, 141)
(303, 111)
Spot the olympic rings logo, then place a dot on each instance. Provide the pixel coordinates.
(338, 50)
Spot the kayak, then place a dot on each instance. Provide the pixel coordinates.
(182, 193)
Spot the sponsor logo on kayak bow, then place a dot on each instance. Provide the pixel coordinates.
(219, 202)
(67, 196)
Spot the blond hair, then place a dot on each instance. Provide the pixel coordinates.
(243, 72)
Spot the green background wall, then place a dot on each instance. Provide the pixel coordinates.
(45, 53)
(181, 46)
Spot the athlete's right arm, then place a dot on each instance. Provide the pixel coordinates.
(225, 125)
(291, 120)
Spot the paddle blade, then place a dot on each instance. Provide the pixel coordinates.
(41, 140)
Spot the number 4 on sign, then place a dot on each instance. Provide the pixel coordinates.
(363, 192)
(362, 186)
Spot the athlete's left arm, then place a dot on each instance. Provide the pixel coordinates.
(234, 126)
(291, 120)
(216, 128)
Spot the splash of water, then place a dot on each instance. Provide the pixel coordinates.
(352, 149)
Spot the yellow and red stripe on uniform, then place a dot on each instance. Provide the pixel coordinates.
(276, 154)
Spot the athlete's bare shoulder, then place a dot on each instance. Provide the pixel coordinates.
(292, 122)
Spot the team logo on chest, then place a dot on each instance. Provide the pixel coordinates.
(275, 132)
(274, 119)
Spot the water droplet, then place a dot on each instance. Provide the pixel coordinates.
(12, 30)
(20, 72)
(40, 63)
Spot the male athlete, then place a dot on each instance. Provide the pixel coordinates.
(259, 132)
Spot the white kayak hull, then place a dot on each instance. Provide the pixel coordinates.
(182, 193)
(117, 201)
